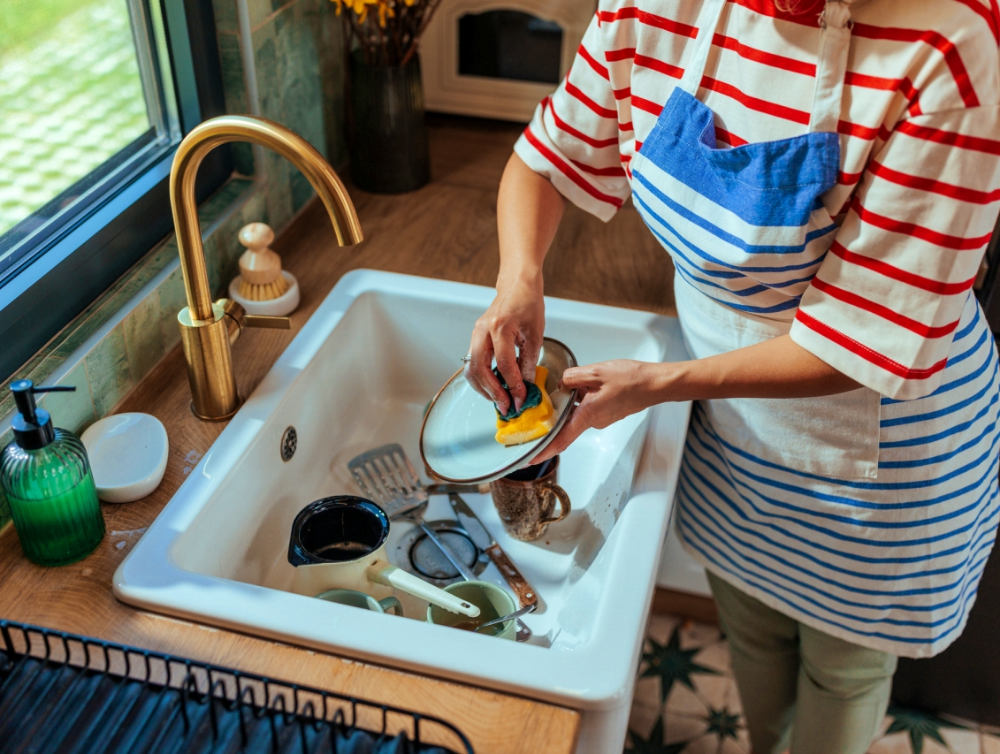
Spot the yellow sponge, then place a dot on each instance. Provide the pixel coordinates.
(533, 422)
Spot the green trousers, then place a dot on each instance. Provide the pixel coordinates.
(800, 686)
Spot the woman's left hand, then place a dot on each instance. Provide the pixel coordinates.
(608, 391)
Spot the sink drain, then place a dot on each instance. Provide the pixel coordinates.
(431, 562)
(289, 442)
(418, 555)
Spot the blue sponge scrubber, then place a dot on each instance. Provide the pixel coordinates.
(534, 398)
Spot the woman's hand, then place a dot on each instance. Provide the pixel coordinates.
(612, 390)
(608, 391)
(528, 213)
(515, 318)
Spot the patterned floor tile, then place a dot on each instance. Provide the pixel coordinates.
(698, 634)
(897, 743)
(661, 627)
(961, 741)
(713, 690)
(715, 656)
(647, 694)
(703, 745)
(929, 734)
(679, 728)
(685, 701)
(733, 701)
(672, 664)
(702, 713)
(642, 719)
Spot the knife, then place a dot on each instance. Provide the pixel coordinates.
(481, 537)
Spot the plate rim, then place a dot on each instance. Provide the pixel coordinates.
(514, 465)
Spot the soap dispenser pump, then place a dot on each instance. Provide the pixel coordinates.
(46, 478)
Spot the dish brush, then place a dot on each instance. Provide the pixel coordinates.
(260, 267)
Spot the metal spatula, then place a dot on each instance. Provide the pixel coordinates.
(386, 475)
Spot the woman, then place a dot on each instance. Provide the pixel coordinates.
(825, 179)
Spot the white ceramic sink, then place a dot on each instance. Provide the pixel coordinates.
(359, 375)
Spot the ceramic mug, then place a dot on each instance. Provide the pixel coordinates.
(339, 543)
(526, 500)
(492, 601)
(360, 599)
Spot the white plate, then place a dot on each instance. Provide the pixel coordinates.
(128, 455)
(457, 439)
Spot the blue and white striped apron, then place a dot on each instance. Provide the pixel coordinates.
(868, 518)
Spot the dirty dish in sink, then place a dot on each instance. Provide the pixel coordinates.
(353, 598)
(492, 601)
(339, 542)
(458, 435)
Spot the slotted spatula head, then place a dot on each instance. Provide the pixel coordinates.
(386, 475)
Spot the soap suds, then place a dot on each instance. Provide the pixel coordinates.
(192, 458)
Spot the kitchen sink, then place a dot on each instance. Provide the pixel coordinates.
(359, 375)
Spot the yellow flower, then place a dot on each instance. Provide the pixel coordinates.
(385, 8)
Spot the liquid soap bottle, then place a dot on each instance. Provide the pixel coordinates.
(45, 475)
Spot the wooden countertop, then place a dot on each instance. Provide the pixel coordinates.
(446, 230)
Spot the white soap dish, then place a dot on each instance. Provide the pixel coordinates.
(285, 304)
(128, 455)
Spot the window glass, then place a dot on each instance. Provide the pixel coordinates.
(71, 100)
(508, 44)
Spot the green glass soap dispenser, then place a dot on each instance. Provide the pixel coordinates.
(46, 477)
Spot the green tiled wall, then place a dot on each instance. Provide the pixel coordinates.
(297, 49)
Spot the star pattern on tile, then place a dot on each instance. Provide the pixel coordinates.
(653, 744)
(918, 725)
(723, 723)
(704, 713)
(670, 663)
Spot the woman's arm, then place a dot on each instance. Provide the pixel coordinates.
(529, 210)
(612, 390)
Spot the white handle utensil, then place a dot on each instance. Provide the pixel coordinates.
(406, 582)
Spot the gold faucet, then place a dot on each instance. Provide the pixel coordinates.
(209, 329)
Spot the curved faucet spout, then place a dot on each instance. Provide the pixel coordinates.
(228, 128)
(207, 329)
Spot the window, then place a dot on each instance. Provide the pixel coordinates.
(95, 95)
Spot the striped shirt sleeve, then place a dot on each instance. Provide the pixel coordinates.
(573, 137)
(885, 303)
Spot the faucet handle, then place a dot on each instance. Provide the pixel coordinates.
(263, 320)
(239, 319)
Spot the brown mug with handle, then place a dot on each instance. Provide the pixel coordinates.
(526, 500)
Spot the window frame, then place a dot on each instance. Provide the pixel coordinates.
(73, 266)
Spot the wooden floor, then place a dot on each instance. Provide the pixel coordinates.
(445, 230)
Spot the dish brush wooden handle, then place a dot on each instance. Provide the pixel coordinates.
(259, 265)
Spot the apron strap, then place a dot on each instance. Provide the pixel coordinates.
(708, 22)
(831, 68)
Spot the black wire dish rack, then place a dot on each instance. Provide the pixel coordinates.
(67, 694)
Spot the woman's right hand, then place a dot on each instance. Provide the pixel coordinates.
(528, 212)
(516, 318)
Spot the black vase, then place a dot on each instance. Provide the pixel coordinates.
(388, 135)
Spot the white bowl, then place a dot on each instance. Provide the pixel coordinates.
(128, 455)
(285, 304)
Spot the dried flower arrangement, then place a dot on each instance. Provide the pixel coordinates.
(387, 31)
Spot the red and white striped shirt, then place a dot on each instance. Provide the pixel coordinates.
(919, 186)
